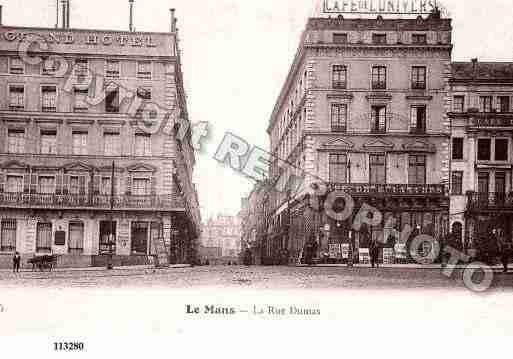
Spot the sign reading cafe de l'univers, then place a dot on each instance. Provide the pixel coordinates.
(379, 6)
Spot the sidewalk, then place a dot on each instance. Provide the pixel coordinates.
(101, 269)
(403, 266)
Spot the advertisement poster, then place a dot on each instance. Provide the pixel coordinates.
(388, 256)
(364, 255)
(400, 251)
(334, 250)
(345, 250)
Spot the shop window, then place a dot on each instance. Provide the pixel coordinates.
(108, 237)
(44, 238)
(8, 235)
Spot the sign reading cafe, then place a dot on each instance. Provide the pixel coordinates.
(95, 39)
(379, 6)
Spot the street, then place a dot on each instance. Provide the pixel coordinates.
(250, 277)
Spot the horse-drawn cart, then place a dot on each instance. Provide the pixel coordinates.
(43, 262)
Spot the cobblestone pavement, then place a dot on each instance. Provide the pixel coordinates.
(252, 277)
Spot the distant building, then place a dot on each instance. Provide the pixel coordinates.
(223, 232)
(57, 148)
(481, 153)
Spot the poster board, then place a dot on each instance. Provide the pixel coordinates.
(345, 250)
(388, 256)
(335, 251)
(400, 251)
(364, 255)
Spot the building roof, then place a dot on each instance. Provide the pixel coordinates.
(482, 71)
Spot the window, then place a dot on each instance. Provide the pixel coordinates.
(377, 169)
(14, 184)
(142, 144)
(112, 144)
(338, 168)
(379, 78)
(105, 188)
(8, 235)
(49, 98)
(501, 149)
(417, 169)
(46, 185)
(339, 77)
(500, 184)
(338, 117)
(379, 119)
(459, 104)
(457, 148)
(112, 70)
(419, 39)
(79, 143)
(484, 152)
(77, 185)
(379, 39)
(340, 38)
(418, 119)
(112, 101)
(49, 67)
(504, 104)
(81, 99)
(16, 141)
(141, 187)
(485, 103)
(44, 238)
(76, 238)
(144, 70)
(457, 183)
(48, 142)
(418, 78)
(16, 97)
(16, 66)
(81, 67)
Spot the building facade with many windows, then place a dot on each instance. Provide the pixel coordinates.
(364, 111)
(72, 133)
(481, 154)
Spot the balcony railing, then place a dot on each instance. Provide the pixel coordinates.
(490, 201)
(71, 201)
(391, 189)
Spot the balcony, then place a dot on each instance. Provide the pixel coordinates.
(492, 201)
(385, 190)
(91, 202)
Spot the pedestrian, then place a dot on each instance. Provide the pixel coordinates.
(374, 254)
(505, 252)
(16, 261)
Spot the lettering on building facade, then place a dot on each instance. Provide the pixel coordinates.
(379, 6)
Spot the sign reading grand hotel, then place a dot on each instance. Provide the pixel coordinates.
(70, 38)
(392, 7)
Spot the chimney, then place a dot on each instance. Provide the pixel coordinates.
(67, 14)
(475, 63)
(1, 15)
(173, 20)
(131, 20)
(56, 14)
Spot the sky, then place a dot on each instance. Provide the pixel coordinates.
(235, 58)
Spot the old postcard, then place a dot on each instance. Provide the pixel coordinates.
(236, 178)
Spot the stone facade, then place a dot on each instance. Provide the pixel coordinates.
(58, 151)
(223, 232)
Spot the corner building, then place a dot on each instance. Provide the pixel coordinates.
(363, 111)
(57, 149)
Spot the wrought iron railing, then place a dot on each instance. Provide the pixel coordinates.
(24, 200)
(491, 120)
(391, 189)
(492, 200)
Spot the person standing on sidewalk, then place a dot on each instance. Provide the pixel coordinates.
(16, 262)
(505, 252)
(374, 253)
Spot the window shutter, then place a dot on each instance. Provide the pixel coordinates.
(33, 183)
(153, 185)
(65, 185)
(2, 182)
(96, 184)
(128, 185)
(82, 185)
(414, 117)
(59, 180)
